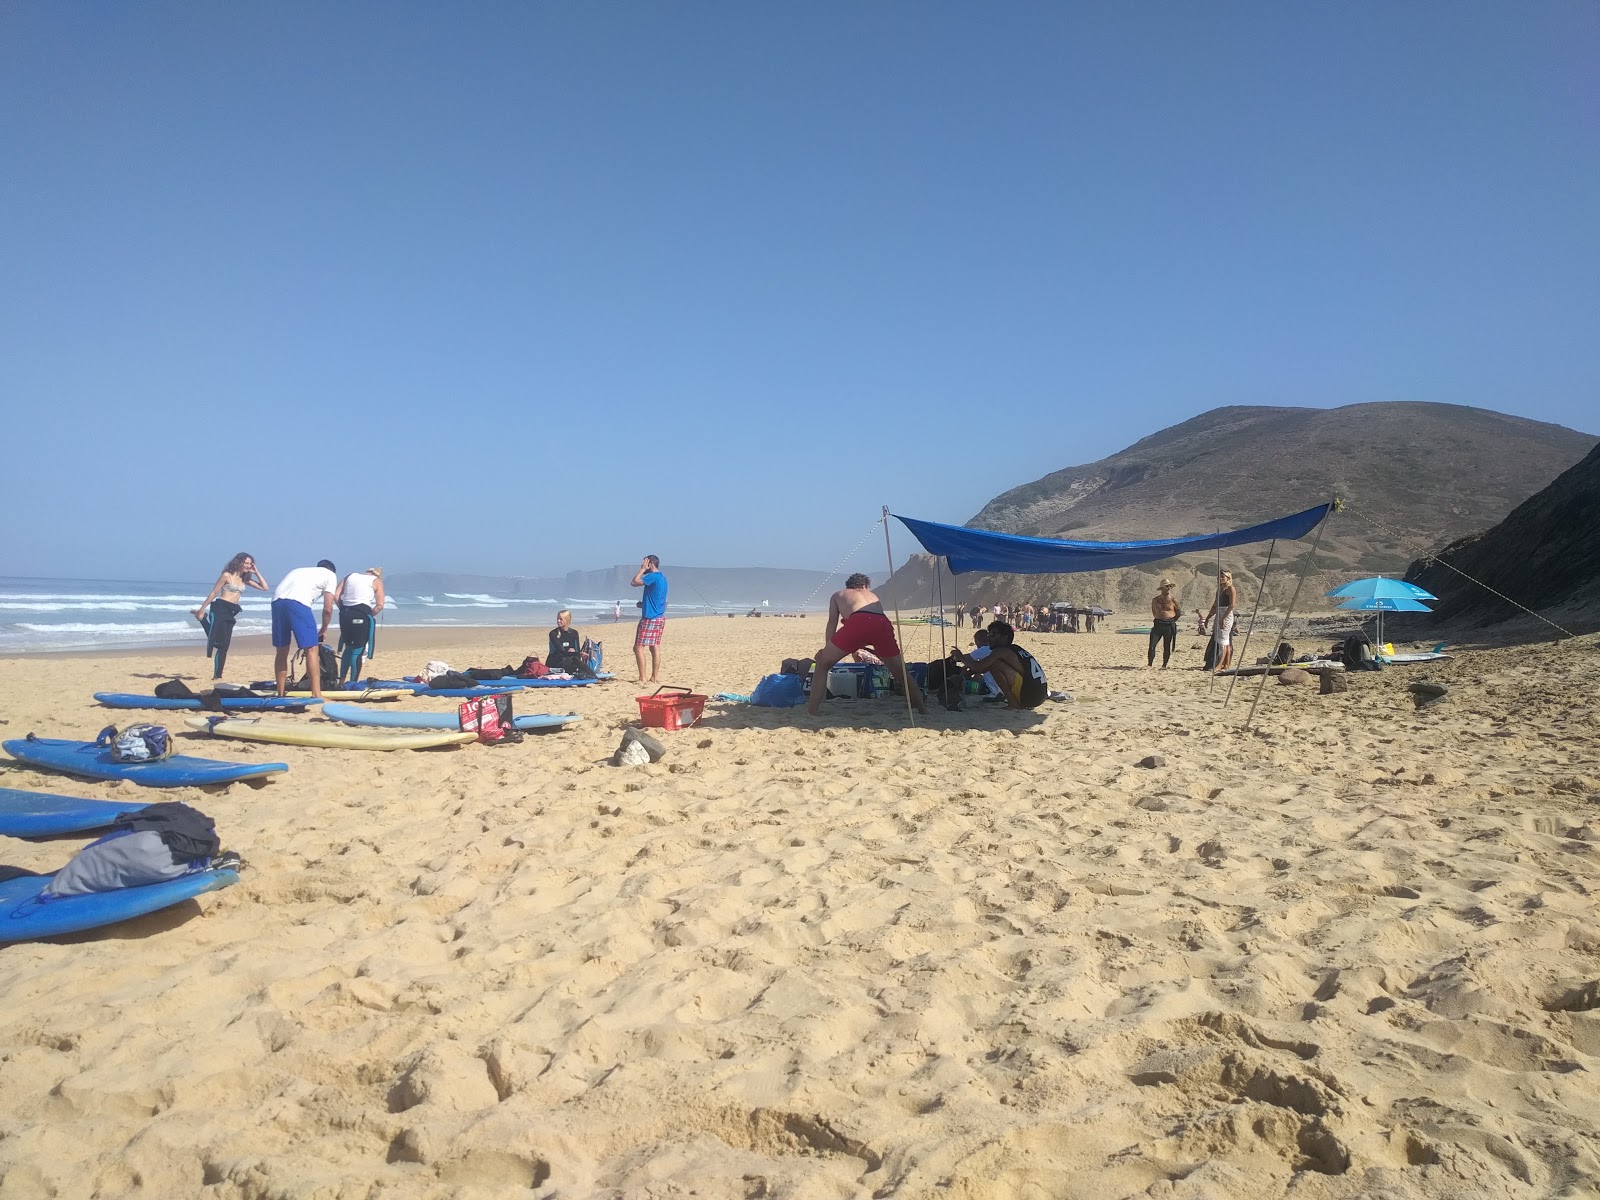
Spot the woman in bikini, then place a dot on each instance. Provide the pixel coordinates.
(223, 606)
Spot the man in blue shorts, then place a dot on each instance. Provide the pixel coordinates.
(652, 616)
(292, 616)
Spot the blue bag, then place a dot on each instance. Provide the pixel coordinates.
(779, 691)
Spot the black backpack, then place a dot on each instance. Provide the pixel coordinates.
(327, 667)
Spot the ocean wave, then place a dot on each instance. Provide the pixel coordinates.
(117, 606)
(194, 596)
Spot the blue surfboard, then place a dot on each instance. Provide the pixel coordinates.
(248, 703)
(355, 714)
(541, 683)
(24, 915)
(41, 814)
(422, 689)
(95, 762)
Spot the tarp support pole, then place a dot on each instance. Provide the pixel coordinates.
(1293, 600)
(1244, 649)
(889, 553)
(1216, 608)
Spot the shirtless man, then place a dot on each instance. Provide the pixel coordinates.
(1164, 632)
(856, 619)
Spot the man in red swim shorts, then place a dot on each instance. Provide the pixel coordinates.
(856, 621)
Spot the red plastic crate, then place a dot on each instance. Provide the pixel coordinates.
(679, 710)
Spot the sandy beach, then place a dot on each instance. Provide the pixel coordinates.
(1351, 952)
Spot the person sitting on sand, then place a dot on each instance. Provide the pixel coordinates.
(1164, 631)
(856, 620)
(1018, 674)
(566, 647)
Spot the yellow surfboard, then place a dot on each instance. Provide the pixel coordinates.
(333, 737)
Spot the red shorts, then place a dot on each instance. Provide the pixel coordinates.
(649, 631)
(867, 629)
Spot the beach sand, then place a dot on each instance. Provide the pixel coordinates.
(1352, 951)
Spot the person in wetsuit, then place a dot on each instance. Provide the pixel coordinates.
(1164, 612)
(361, 599)
(220, 609)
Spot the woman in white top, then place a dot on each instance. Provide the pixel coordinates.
(361, 599)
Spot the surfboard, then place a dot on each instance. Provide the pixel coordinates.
(362, 696)
(422, 689)
(1415, 658)
(519, 681)
(353, 715)
(1313, 667)
(332, 737)
(42, 814)
(1135, 629)
(23, 915)
(95, 762)
(233, 703)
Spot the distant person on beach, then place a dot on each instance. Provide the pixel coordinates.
(1222, 609)
(1164, 629)
(292, 618)
(961, 613)
(1017, 673)
(652, 616)
(361, 599)
(223, 605)
(616, 612)
(856, 621)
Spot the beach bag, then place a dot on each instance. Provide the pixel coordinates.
(593, 655)
(433, 669)
(490, 718)
(173, 689)
(779, 691)
(532, 668)
(137, 743)
(1284, 656)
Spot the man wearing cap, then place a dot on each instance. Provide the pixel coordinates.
(292, 616)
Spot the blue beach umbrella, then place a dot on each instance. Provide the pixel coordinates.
(1383, 604)
(1379, 588)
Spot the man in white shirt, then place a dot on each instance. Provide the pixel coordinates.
(292, 616)
(980, 639)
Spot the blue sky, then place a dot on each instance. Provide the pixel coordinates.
(520, 288)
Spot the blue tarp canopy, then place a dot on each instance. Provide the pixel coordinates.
(979, 550)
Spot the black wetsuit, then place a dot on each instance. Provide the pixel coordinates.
(218, 624)
(1164, 632)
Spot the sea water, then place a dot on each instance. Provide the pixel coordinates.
(90, 614)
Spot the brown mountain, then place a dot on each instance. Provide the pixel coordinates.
(1545, 555)
(1413, 477)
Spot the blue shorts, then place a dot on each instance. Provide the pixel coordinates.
(290, 616)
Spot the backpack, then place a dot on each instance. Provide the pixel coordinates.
(532, 668)
(137, 743)
(593, 654)
(327, 668)
(490, 718)
(1284, 656)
